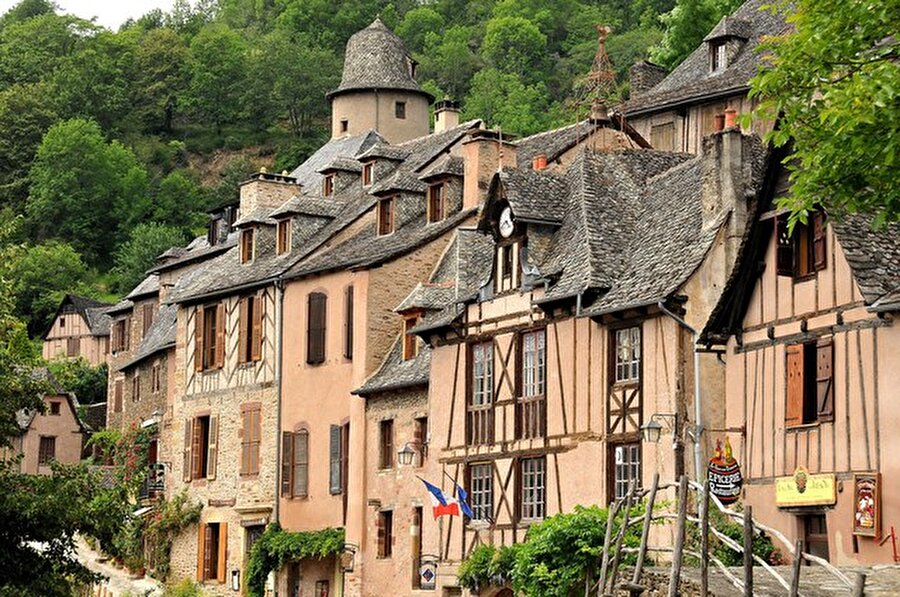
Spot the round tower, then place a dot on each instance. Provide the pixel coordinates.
(378, 89)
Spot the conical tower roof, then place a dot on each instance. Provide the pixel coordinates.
(377, 59)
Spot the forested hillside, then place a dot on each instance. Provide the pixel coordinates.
(114, 144)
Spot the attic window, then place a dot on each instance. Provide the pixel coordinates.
(345, 125)
(506, 268)
(386, 216)
(247, 245)
(802, 253)
(328, 185)
(62, 322)
(54, 408)
(368, 174)
(436, 202)
(400, 110)
(283, 234)
(410, 342)
(718, 58)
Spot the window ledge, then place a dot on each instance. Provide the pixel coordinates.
(803, 426)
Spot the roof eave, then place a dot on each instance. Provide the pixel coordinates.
(678, 103)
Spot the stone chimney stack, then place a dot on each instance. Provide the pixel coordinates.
(446, 115)
(267, 190)
(484, 154)
(645, 75)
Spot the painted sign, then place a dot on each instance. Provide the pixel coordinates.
(724, 474)
(867, 504)
(805, 489)
(427, 573)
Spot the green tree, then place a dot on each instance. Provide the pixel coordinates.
(42, 275)
(161, 78)
(180, 202)
(449, 59)
(88, 383)
(218, 75)
(139, 253)
(514, 45)
(25, 10)
(84, 190)
(31, 49)
(685, 27)
(418, 23)
(834, 84)
(503, 100)
(25, 115)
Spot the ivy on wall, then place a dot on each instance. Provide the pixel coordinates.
(277, 547)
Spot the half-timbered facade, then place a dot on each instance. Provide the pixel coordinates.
(808, 324)
(80, 328)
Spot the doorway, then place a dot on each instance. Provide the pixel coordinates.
(815, 535)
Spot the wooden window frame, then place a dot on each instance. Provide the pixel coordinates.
(300, 464)
(212, 552)
(480, 481)
(316, 327)
(118, 395)
(251, 439)
(507, 267)
(627, 371)
(614, 468)
(385, 215)
(803, 254)
(201, 447)
(209, 349)
(155, 378)
(410, 341)
(531, 497)
(248, 245)
(660, 132)
(809, 383)
(73, 346)
(348, 322)
(531, 383)
(400, 110)
(328, 185)
(718, 57)
(283, 230)
(368, 174)
(420, 439)
(46, 450)
(54, 408)
(386, 444)
(385, 529)
(437, 202)
(120, 334)
(148, 313)
(251, 322)
(480, 393)
(136, 387)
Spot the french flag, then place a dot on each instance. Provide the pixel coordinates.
(441, 505)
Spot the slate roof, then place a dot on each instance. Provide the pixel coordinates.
(376, 58)
(197, 250)
(25, 416)
(556, 142)
(97, 320)
(535, 196)
(260, 215)
(445, 165)
(873, 255)
(310, 206)
(148, 287)
(160, 336)
(93, 312)
(308, 174)
(384, 150)
(397, 374)
(692, 80)
(342, 163)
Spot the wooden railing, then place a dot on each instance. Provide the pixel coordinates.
(480, 424)
(531, 417)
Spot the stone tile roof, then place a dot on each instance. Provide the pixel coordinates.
(97, 320)
(259, 215)
(148, 287)
(428, 296)
(310, 206)
(552, 143)
(160, 336)
(342, 163)
(873, 255)
(446, 165)
(397, 374)
(197, 250)
(692, 80)
(376, 58)
(25, 416)
(309, 174)
(93, 312)
(535, 196)
(384, 150)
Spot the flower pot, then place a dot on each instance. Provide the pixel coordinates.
(730, 118)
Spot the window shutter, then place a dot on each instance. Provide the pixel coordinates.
(114, 337)
(315, 345)
(348, 322)
(818, 234)
(379, 524)
(196, 450)
(243, 328)
(201, 551)
(213, 448)
(794, 410)
(287, 458)
(220, 335)
(784, 251)
(334, 459)
(120, 390)
(256, 337)
(301, 463)
(223, 551)
(825, 379)
(186, 471)
(127, 333)
(198, 339)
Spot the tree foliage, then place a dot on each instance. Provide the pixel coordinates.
(834, 85)
(277, 547)
(86, 381)
(686, 25)
(139, 252)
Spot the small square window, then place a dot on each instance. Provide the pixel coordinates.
(62, 322)
(54, 408)
(345, 125)
(400, 110)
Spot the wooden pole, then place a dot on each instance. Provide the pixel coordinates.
(678, 555)
(704, 539)
(645, 534)
(748, 551)
(623, 528)
(610, 516)
(859, 587)
(798, 561)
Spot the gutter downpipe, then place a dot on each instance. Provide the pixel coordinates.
(698, 427)
(279, 347)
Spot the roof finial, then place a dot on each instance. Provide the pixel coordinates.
(601, 83)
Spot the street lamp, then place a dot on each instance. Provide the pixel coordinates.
(407, 454)
(651, 431)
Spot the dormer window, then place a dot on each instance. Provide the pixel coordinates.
(385, 216)
(437, 194)
(328, 185)
(283, 234)
(802, 253)
(400, 110)
(410, 341)
(248, 245)
(368, 173)
(718, 57)
(506, 268)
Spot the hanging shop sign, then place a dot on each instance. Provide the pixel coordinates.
(805, 489)
(867, 504)
(724, 474)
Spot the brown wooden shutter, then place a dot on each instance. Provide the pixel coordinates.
(114, 337)
(784, 251)
(379, 525)
(127, 333)
(348, 322)
(334, 460)
(196, 449)
(222, 559)
(243, 328)
(301, 464)
(257, 331)
(794, 410)
(213, 448)
(120, 390)
(287, 459)
(220, 335)
(201, 551)
(186, 471)
(825, 379)
(315, 345)
(818, 235)
(198, 339)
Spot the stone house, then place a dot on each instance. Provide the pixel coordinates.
(80, 328)
(675, 111)
(807, 322)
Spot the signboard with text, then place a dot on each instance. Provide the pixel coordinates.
(867, 504)
(724, 474)
(805, 489)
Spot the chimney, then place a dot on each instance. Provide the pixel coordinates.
(539, 162)
(643, 76)
(266, 190)
(482, 157)
(446, 115)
